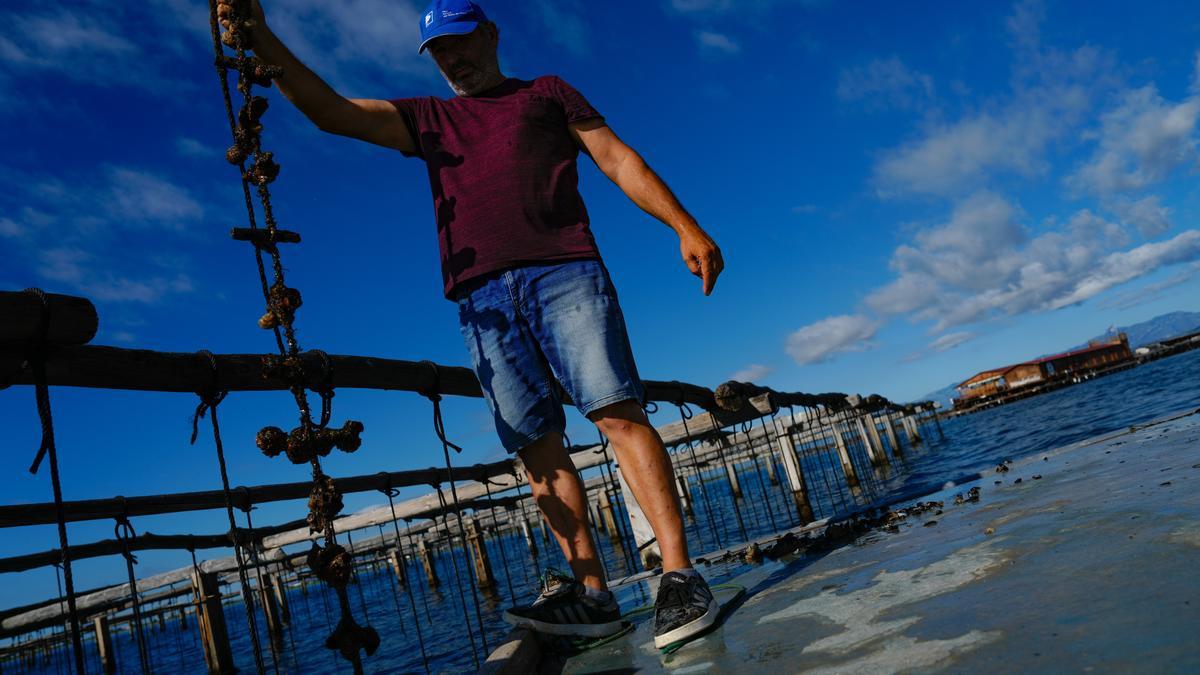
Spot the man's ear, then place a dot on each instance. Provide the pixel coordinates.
(493, 32)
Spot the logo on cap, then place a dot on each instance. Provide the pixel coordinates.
(429, 18)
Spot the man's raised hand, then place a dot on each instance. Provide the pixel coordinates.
(225, 7)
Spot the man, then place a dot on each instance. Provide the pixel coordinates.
(535, 301)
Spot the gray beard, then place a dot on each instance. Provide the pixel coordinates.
(473, 84)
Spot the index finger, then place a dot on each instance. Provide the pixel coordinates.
(708, 274)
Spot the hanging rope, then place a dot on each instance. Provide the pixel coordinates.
(746, 427)
(210, 398)
(487, 487)
(124, 533)
(685, 414)
(613, 487)
(462, 596)
(37, 352)
(439, 428)
(391, 495)
(254, 560)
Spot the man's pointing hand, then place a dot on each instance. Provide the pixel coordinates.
(702, 256)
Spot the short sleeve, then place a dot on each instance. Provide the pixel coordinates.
(409, 109)
(574, 104)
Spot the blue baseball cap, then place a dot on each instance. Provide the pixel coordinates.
(449, 17)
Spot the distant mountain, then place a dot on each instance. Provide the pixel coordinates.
(1153, 330)
(1160, 328)
(943, 395)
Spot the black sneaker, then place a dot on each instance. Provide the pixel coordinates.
(684, 607)
(565, 609)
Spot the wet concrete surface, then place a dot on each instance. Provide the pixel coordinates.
(1084, 559)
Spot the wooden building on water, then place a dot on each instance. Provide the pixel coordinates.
(1002, 385)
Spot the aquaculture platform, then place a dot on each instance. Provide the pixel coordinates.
(1080, 559)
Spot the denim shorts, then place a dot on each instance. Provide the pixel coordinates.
(529, 326)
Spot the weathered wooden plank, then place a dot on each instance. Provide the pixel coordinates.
(144, 370)
(243, 497)
(69, 320)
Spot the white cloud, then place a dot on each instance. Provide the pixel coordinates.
(1142, 140)
(942, 344)
(951, 340)
(1148, 215)
(1151, 292)
(983, 263)
(717, 42)
(752, 373)
(1052, 92)
(74, 231)
(753, 6)
(190, 147)
(8, 228)
(833, 335)
(359, 46)
(565, 25)
(1118, 268)
(145, 197)
(885, 83)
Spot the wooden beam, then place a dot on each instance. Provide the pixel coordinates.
(144, 370)
(69, 320)
(243, 497)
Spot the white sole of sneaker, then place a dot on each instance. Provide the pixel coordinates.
(687, 630)
(593, 630)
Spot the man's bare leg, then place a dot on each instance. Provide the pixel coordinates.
(560, 495)
(647, 469)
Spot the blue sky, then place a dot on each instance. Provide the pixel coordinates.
(905, 193)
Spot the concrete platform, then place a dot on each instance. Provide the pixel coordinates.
(1083, 559)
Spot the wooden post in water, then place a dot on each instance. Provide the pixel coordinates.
(910, 427)
(606, 514)
(479, 554)
(266, 595)
(770, 460)
(525, 529)
(281, 598)
(685, 495)
(397, 559)
(735, 486)
(594, 514)
(871, 442)
(795, 476)
(843, 453)
(890, 430)
(873, 430)
(643, 534)
(183, 624)
(211, 623)
(104, 644)
(426, 557)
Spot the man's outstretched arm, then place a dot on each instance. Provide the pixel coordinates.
(370, 120)
(637, 180)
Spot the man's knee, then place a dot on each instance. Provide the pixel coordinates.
(619, 419)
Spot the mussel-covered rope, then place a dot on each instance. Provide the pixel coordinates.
(746, 428)
(36, 359)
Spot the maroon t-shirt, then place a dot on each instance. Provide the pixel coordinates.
(502, 169)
